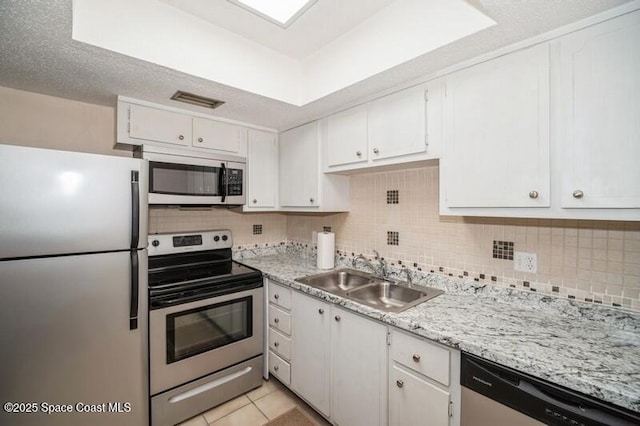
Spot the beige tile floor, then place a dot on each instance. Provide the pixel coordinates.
(255, 408)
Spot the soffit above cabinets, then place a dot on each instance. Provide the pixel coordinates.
(41, 53)
(252, 59)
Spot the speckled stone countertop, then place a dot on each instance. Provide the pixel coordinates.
(591, 349)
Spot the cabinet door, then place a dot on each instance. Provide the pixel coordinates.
(359, 370)
(262, 169)
(310, 351)
(158, 125)
(397, 124)
(497, 133)
(218, 135)
(600, 103)
(347, 137)
(413, 400)
(299, 168)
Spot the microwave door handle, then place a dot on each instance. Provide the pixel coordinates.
(222, 182)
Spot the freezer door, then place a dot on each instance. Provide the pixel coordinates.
(54, 202)
(67, 340)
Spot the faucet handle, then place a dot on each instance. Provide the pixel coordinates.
(376, 253)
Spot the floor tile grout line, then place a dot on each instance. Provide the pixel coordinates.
(267, 417)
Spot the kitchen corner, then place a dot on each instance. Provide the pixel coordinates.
(589, 348)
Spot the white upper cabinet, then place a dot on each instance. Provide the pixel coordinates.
(303, 187)
(497, 133)
(299, 169)
(403, 127)
(218, 135)
(599, 95)
(141, 122)
(151, 124)
(347, 137)
(397, 124)
(262, 170)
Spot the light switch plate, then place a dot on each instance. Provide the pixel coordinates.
(525, 262)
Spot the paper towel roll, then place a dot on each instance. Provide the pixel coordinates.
(326, 249)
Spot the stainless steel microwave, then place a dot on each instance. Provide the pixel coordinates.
(194, 178)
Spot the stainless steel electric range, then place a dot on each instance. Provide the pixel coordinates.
(205, 324)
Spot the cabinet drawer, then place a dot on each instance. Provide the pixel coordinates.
(421, 356)
(280, 295)
(280, 344)
(280, 368)
(280, 319)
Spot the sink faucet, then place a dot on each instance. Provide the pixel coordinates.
(409, 279)
(382, 272)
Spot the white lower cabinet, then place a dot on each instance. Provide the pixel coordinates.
(339, 362)
(310, 351)
(358, 370)
(413, 400)
(279, 331)
(424, 382)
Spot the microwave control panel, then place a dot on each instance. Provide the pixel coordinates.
(234, 182)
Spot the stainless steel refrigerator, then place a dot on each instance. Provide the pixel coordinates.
(73, 288)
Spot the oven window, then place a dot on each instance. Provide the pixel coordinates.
(202, 329)
(183, 179)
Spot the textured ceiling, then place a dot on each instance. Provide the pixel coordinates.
(37, 54)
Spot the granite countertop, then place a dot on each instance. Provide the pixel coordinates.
(588, 348)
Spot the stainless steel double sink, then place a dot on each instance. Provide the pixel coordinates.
(370, 290)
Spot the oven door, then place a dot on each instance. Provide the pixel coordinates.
(191, 340)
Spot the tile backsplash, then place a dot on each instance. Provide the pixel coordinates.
(593, 261)
(244, 226)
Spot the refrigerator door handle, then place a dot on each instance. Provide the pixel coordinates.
(133, 307)
(135, 209)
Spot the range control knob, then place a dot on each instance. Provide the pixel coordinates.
(155, 243)
(225, 238)
(216, 238)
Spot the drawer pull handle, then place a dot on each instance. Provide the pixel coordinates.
(200, 140)
(416, 358)
(276, 344)
(181, 137)
(533, 194)
(376, 150)
(337, 317)
(321, 311)
(276, 320)
(578, 194)
(276, 296)
(276, 368)
(399, 383)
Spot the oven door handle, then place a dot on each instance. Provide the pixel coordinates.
(204, 295)
(133, 306)
(208, 386)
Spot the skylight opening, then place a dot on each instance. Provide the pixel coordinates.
(282, 12)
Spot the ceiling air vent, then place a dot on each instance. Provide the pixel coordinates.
(192, 99)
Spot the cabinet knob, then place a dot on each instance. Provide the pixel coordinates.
(321, 311)
(199, 139)
(416, 358)
(359, 154)
(311, 200)
(181, 137)
(276, 344)
(276, 320)
(533, 194)
(276, 368)
(376, 150)
(399, 383)
(578, 194)
(254, 201)
(337, 317)
(276, 296)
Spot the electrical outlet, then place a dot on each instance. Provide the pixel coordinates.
(525, 262)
